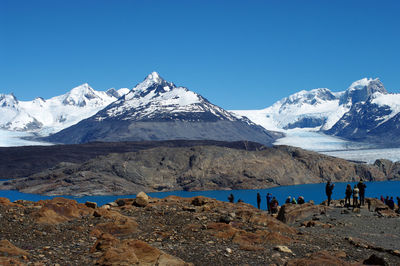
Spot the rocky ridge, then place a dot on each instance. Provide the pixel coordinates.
(197, 168)
(190, 231)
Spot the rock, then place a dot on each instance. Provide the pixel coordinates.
(199, 201)
(120, 202)
(131, 252)
(119, 224)
(8, 248)
(6, 202)
(325, 258)
(388, 213)
(59, 210)
(356, 210)
(106, 207)
(142, 200)
(112, 204)
(225, 219)
(289, 213)
(10, 261)
(90, 204)
(283, 249)
(344, 211)
(375, 260)
(228, 250)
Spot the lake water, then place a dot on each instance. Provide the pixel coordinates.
(314, 192)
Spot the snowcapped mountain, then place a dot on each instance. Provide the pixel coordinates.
(49, 116)
(158, 100)
(357, 114)
(305, 109)
(158, 110)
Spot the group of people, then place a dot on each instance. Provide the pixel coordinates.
(390, 202)
(272, 202)
(358, 193)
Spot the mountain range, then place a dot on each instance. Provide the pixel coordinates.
(365, 112)
(51, 115)
(156, 109)
(159, 110)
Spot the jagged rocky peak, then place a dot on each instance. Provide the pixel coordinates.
(117, 93)
(152, 83)
(112, 93)
(8, 100)
(79, 95)
(361, 90)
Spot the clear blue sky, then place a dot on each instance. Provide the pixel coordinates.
(237, 54)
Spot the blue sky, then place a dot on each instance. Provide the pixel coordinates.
(237, 54)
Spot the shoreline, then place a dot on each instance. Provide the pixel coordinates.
(247, 195)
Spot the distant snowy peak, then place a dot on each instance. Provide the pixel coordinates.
(82, 95)
(8, 100)
(311, 97)
(47, 116)
(361, 91)
(318, 108)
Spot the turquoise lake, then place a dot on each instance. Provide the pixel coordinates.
(315, 192)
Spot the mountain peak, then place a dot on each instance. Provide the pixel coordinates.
(79, 95)
(154, 76)
(361, 90)
(8, 100)
(360, 84)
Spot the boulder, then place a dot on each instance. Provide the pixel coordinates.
(59, 210)
(199, 201)
(375, 260)
(7, 248)
(10, 261)
(131, 252)
(289, 213)
(376, 204)
(6, 202)
(142, 200)
(90, 204)
(283, 249)
(324, 257)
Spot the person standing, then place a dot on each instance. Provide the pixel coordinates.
(391, 203)
(349, 191)
(328, 190)
(258, 200)
(269, 198)
(231, 198)
(356, 194)
(361, 186)
(274, 205)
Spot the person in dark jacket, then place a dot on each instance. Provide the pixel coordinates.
(349, 192)
(328, 190)
(301, 200)
(361, 186)
(391, 203)
(258, 200)
(231, 198)
(274, 205)
(269, 198)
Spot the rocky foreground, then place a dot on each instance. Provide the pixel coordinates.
(195, 231)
